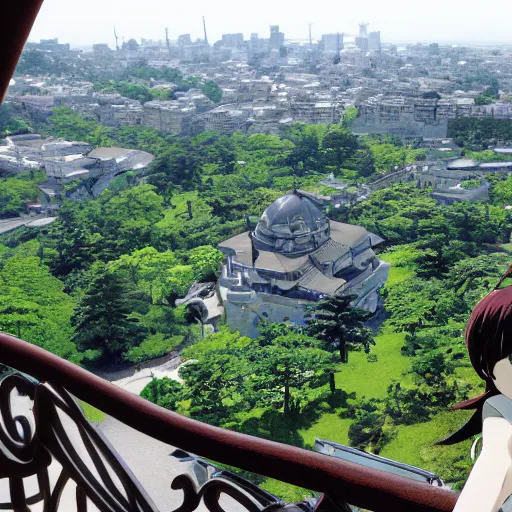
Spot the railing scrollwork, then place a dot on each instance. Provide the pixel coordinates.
(32, 442)
(45, 439)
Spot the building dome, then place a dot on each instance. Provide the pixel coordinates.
(462, 163)
(292, 225)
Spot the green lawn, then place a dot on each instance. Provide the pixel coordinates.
(365, 379)
(329, 426)
(416, 445)
(285, 491)
(92, 414)
(372, 379)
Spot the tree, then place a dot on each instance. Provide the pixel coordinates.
(432, 367)
(16, 193)
(17, 313)
(414, 304)
(287, 368)
(366, 163)
(33, 305)
(336, 323)
(406, 405)
(177, 281)
(484, 99)
(367, 431)
(33, 62)
(212, 91)
(134, 91)
(349, 114)
(129, 217)
(147, 269)
(178, 166)
(205, 260)
(431, 95)
(104, 320)
(215, 384)
(338, 146)
(164, 392)
(67, 124)
(9, 124)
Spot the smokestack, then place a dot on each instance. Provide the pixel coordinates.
(310, 37)
(115, 35)
(205, 36)
(167, 42)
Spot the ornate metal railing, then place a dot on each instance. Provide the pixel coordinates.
(30, 442)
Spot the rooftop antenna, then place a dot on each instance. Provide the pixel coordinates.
(205, 36)
(310, 37)
(115, 35)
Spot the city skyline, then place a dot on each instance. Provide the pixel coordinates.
(84, 24)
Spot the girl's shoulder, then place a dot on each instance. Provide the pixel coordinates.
(498, 406)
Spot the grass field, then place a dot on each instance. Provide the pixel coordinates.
(92, 414)
(369, 380)
(372, 379)
(416, 445)
(329, 426)
(285, 491)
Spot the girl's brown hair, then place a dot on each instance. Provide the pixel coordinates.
(489, 340)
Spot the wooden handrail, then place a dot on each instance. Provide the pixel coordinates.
(17, 19)
(364, 487)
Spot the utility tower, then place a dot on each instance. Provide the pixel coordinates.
(205, 36)
(115, 35)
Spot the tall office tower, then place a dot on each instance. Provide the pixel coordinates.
(332, 43)
(276, 41)
(374, 41)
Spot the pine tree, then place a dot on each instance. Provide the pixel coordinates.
(335, 322)
(104, 319)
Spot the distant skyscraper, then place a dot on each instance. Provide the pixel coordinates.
(374, 41)
(184, 40)
(362, 43)
(332, 43)
(232, 40)
(363, 30)
(276, 41)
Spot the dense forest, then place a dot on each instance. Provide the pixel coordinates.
(99, 285)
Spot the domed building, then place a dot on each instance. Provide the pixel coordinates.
(294, 257)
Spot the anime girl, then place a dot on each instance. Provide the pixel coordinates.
(489, 343)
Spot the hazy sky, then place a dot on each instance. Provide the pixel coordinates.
(83, 22)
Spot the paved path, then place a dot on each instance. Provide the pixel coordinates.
(138, 381)
(149, 459)
(7, 225)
